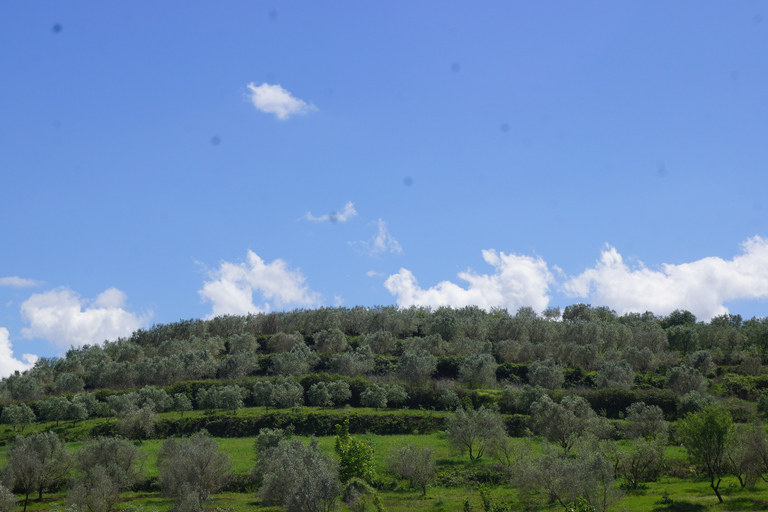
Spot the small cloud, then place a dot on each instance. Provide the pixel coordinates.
(347, 213)
(8, 363)
(273, 99)
(382, 241)
(373, 273)
(231, 287)
(701, 286)
(18, 282)
(518, 281)
(63, 318)
(337, 301)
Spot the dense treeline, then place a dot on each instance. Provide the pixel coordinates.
(597, 388)
(360, 354)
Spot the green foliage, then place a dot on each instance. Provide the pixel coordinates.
(705, 435)
(355, 456)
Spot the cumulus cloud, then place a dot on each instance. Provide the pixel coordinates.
(18, 282)
(273, 99)
(63, 318)
(382, 241)
(231, 287)
(347, 213)
(701, 286)
(8, 363)
(518, 281)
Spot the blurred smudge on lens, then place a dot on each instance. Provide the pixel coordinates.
(408, 181)
(504, 127)
(273, 14)
(215, 140)
(661, 169)
(455, 67)
(56, 28)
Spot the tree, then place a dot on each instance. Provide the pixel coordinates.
(547, 374)
(705, 435)
(683, 338)
(191, 469)
(107, 466)
(381, 342)
(138, 424)
(615, 374)
(565, 422)
(474, 430)
(286, 392)
(361, 360)
(231, 397)
(181, 403)
(319, 396)
(478, 369)
(416, 366)
(396, 395)
(646, 422)
(355, 456)
(374, 396)
(53, 409)
(330, 341)
(414, 464)
(299, 360)
(37, 462)
(298, 476)
(18, 416)
(641, 462)
(7, 500)
(262, 394)
(682, 379)
(693, 401)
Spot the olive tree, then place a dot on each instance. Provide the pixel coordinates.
(563, 423)
(474, 430)
(682, 379)
(548, 374)
(356, 362)
(298, 476)
(299, 360)
(36, 462)
(615, 374)
(191, 469)
(705, 435)
(106, 466)
(330, 341)
(414, 464)
(138, 424)
(478, 369)
(18, 416)
(416, 366)
(645, 421)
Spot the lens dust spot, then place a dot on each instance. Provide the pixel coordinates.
(408, 181)
(215, 140)
(735, 75)
(272, 14)
(757, 18)
(56, 28)
(455, 67)
(661, 170)
(504, 127)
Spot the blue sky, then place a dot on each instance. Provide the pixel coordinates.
(160, 161)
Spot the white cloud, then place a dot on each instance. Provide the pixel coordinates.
(18, 282)
(701, 286)
(518, 281)
(347, 213)
(63, 318)
(9, 364)
(382, 241)
(273, 99)
(231, 287)
(373, 273)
